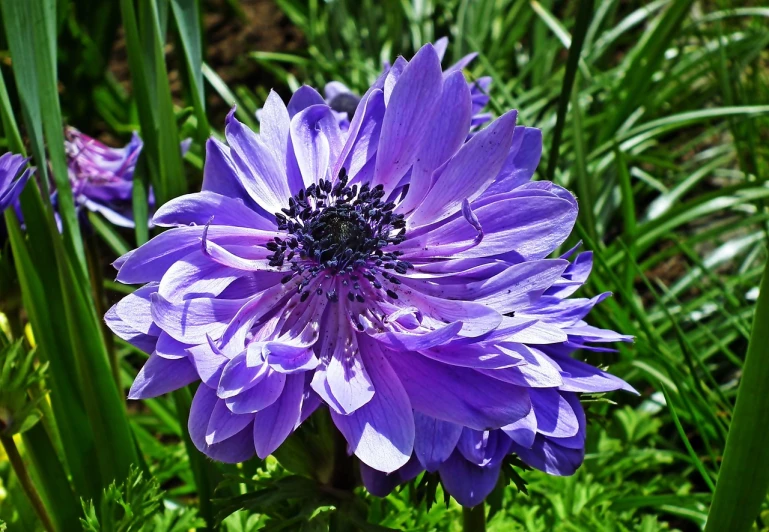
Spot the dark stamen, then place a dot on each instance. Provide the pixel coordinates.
(336, 229)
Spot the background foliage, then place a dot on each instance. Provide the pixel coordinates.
(656, 114)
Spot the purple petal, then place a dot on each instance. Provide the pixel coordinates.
(440, 47)
(532, 227)
(555, 416)
(262, 175)
(476, 319)
(435, 440)
(347, 379)
(381, 484)
(136, 310)
(238, 448)
(381, 432)
(462, 63)
(224, 424)
(317, 140)
(209, 362)
(409, 112)
(538, 371)
(562, 312)
(262, 395)
(521, 162)
(257, 262)
(392, 76)
(189, 321)
(161, 375)
(363, 135)
(196, 275)
(344, 382)
(303, 98)
(524, 431)
(550, 457)
(469, 172)
(145, 342)
(297, 360)
(468, 483)
(238, 377)
(221, 175)
(448, 131)
(152, 260)
(169, 348)
(274, 126)
(578, 440)
(533, 332)
(273, 424)
(474, 400)
(479, 356)
(581, 377)
(508, 291)
(206, 207)
(409, 341)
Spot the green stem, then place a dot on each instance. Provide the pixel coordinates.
(474, 519)
(343, 474)
(51, 479)
(203, 471)
(26, 482)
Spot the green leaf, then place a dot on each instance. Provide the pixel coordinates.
(145, 38)
(52, 480)
(584, 14)
(103, 401)
(744, 476)
(39, 283)
(187, 16)
(31, 31)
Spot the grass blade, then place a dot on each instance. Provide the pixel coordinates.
(30, 28)
(744, 475)
(187, 16)
(584, 14)
(38, 286)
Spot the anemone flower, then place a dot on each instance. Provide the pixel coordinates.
(370, 271)
(344, 101)
(551, 437)
(12, 180)
(102, 177)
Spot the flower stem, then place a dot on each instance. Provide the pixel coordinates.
(474, 519)
(26, 482)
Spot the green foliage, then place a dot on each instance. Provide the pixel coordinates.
(135, 505)
(744, 476)
(19, 378)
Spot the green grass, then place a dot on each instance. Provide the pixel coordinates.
(655, 115)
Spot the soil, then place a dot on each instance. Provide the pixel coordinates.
(231, 31)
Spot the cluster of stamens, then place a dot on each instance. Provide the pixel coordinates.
(339, 230)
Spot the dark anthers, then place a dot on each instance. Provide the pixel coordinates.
(338, 229)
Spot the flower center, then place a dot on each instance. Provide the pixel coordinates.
(338, 229)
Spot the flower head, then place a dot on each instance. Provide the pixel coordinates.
(372, 271)
(102, 177)
(344, 101)
(12, 180)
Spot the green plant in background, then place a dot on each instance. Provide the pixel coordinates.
(656, 114)
(136, 504)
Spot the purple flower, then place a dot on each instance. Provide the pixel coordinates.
(344, 101)
(373, 271)
(102, 177)
(11, 183)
